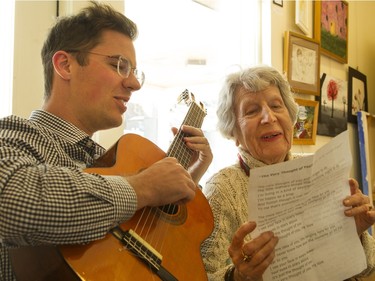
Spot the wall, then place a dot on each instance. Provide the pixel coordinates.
(30, 31)
(361, 55)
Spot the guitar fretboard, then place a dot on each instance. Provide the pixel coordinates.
(178, 149)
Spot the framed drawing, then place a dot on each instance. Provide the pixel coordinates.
(302, 63)
(333, 109)
(304, 16)
(278, 2)
(357, 94)
(331, 28)
(305, 129)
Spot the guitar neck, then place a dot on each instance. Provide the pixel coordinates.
(178, 149)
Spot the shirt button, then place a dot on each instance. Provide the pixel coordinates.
(90, 143)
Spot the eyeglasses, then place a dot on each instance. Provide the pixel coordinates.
(124, 67)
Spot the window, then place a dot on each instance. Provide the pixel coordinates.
(6, 69)
(189, 44)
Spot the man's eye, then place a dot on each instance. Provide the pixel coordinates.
(124, 66)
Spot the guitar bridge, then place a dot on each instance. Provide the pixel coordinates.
(144, 251)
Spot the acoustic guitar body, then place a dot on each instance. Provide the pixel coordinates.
(182, 232)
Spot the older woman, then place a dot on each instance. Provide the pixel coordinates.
(257, 111)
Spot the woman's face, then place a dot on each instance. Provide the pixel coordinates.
(263, 125)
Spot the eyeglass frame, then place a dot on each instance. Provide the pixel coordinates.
(139, 74)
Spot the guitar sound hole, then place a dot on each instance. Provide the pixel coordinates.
(170, 209)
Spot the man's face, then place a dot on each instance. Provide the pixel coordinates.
(98, 93)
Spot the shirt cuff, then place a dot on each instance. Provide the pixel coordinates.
(124, 198)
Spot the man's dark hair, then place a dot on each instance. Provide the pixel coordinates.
(80, 33)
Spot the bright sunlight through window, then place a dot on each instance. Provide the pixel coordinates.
(189, 44)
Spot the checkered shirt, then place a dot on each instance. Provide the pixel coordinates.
(45, 197)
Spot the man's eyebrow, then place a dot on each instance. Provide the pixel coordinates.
(114, 56)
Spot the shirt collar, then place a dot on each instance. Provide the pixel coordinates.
(58, 126)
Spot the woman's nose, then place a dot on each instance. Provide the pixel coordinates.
(268, 115)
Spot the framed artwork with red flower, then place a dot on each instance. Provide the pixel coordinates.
(331, 28)
(333, 110)
(302, 63)
(304, 131)
(357, 94)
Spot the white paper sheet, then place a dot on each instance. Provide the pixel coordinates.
(301, 201)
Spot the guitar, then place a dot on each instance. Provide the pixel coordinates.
(157, 243)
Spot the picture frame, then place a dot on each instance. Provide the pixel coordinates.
(357, 94)
(304, 16)
(304, 132)
(333, 106)
(331, 28)
(211, 4)
(302, 63)
(278, 2)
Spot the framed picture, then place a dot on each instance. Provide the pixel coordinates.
(305, 129)
(331, 28)
(333, 109)
(357, 94)
(211, 4)
(278, 2)
(304, 16)
(302, 63)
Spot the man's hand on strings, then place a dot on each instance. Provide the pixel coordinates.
(202, 154)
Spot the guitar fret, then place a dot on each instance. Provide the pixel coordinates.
(178, 149)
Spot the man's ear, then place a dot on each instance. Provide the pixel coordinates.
(61, 64)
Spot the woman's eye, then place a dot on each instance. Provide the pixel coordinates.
(277, 105)
(251, 111)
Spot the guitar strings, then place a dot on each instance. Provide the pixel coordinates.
(181, 152)
(147, 225)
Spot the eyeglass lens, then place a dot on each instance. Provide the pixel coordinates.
(124, 68)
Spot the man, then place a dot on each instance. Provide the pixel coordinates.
(46, 197)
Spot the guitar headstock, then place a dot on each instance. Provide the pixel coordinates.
(189, 98)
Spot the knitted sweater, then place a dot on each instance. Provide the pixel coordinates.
(227, 193)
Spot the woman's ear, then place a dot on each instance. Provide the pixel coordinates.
(235, 137)
(61, 64)
(237, 142)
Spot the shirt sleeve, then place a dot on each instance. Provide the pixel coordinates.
(368, 243)
(45, 203)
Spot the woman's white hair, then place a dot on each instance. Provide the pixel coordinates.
(254, 79)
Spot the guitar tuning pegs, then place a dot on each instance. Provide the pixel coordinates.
(187, 96)
(192, 97)
(202, 107)
(183, 96)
